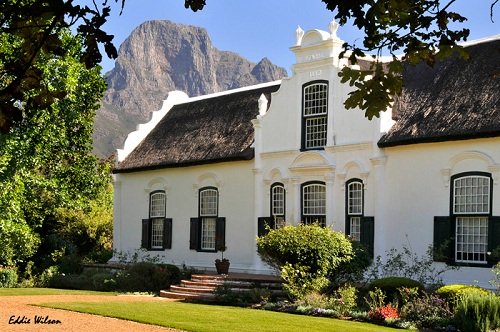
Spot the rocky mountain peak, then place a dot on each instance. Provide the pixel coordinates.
(160, 56)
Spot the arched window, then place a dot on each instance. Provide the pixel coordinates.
(157, 229)
(314, 115)
(470, 234)
(278, 204)
(314, 203)
(208, 207)
(354, 208)
(471, 201)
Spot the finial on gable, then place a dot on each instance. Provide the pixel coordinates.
(299, 33)
(332, 27)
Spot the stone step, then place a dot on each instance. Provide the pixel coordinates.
(187, 296)
(191, 290)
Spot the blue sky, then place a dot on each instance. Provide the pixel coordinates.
(265, 28)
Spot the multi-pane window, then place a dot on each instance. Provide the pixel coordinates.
(471, 239)
(314, 203)
(278, 204)
(471, 195)
(315, 111)
(208, 215)
(471, 205)
(354, 208)
(157, 207)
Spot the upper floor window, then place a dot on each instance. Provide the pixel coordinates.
(314, 203)
(314, 115)
(471, 195)
(278, 204)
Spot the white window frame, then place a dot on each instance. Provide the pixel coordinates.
(471, 206)
(209, 206)
(157, 204)
(354, 201)
(157, 233)
(355, 228)
(278, 196)
(315, 115)
(314, 202)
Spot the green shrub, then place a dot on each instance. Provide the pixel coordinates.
(475, 312)
(304, 255)
(103, 281)
(345, 300)
(70, 281)
(147, 277)
(8, 277)
(353, 270)
(390, 286)
(47, 275)
(451, 293)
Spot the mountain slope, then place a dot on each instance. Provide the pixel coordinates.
(161, 56)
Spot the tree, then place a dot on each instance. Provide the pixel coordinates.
(30, 30)
(45, 159)
(420, 29)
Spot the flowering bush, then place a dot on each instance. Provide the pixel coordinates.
(383, 313)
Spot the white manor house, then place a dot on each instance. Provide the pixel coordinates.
(212, 170)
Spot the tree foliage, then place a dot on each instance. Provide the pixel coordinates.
(30, 33)
(45, 158)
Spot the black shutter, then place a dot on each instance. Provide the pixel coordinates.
(146, 234)
(167, 233)
(367, 233)
(493, 240)
(220, 233)
(262, 225)
(443, 240)
(193, 234)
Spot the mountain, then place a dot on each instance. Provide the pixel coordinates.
(161, 56)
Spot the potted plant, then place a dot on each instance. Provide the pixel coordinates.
(222, 265)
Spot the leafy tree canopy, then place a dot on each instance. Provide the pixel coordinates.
(30, 30)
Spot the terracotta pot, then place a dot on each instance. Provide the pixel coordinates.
(222, 266)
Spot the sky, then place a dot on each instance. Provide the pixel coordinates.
(266, 28)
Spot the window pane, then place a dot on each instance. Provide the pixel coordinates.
(278, 200)
(208, 202)
(157, 205)
(314, 199)
(355, 225)
(355, 198)
(471, 239)
(315, 99)
(471, 194)
(157, 234)
(315, 131)
(208, 233)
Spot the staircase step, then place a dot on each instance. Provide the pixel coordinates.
(191, 290)
(186, 296)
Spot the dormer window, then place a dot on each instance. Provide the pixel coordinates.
(314, 115)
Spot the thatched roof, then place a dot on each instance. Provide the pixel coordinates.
(209, 130)
(455, 100)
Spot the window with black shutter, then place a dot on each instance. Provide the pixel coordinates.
(157, 229)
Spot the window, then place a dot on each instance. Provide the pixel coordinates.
(314, 203)
(354, 208)
(278, 204)
(208, 230)
(471, 199)
(470, 233)
(157, 229)
(208, 217)
(315, 115)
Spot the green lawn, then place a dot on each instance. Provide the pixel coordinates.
(199, 317)
(47, 291)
